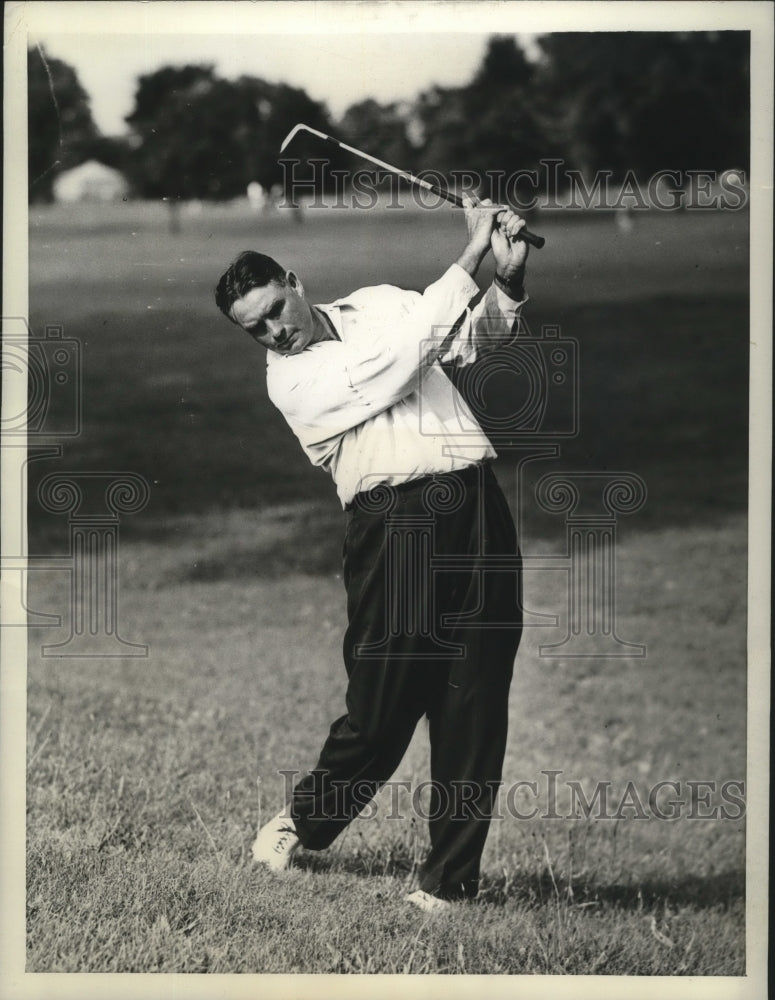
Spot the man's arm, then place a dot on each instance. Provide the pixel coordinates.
(494, 320)
(336, 386)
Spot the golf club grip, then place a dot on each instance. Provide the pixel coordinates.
(532, 238)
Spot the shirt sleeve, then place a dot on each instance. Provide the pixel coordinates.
(335, 386)
(488, 323)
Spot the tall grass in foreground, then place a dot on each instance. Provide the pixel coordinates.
(143, 794)
(142, 774)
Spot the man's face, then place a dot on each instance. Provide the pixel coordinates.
(277, 316)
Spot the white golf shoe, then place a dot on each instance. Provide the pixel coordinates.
(432, 904)
(276, 843)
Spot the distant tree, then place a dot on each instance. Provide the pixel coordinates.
(155, 89)
(198, 136)
(615, 101)
(697, 114)
(280, 107)
(446, 144)
(60, 122)
(114, 151)
(504, 67)
(187, 130)
(492, 124)
(646, 101)
(379, 129)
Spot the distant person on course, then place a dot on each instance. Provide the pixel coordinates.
(361, 385)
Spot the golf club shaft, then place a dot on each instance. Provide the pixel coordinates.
(525, 234)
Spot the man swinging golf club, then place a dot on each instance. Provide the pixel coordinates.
(361, 385)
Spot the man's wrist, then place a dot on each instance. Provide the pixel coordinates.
(471, 258)
(513, 285)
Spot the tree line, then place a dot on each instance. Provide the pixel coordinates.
(620, 102)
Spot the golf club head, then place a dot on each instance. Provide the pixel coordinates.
(299, 128)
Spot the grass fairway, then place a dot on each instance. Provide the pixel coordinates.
(143, 788)
(143, 773)
(172, 391)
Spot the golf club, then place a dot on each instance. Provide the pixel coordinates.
(525, 234)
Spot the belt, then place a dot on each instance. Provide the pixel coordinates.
(371, 500)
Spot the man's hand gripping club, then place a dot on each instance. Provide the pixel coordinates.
(496, 228)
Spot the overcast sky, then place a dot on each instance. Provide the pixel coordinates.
(339, 52)
(333, 68)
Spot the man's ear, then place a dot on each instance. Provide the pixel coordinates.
(295, 282)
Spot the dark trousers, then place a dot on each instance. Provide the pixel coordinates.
(416, 557)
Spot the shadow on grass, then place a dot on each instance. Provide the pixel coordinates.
(662, 392)
(698, 891)
(321, 556)
(532, 889)
(392, 861)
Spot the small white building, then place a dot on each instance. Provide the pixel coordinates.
(90, 181)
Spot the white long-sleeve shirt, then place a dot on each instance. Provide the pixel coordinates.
(375, 406)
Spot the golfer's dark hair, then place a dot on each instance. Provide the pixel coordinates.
(249, 270)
